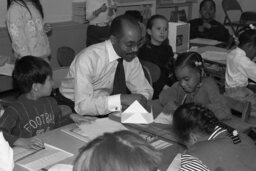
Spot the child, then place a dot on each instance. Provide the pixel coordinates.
(192, 86)
(34, 112)
(118, 151)
(206, 26)
(210, 145)
(157, 50)
(240, 68)
(27, 30)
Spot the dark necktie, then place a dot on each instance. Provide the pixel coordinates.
(119, 85)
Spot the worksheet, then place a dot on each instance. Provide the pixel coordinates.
(43, 158)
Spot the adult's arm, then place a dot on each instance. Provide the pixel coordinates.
(16, 28)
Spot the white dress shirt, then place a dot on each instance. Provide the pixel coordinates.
(239, 69)
(89, 81)
(103, 17)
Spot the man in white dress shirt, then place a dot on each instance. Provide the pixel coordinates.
(89, 82)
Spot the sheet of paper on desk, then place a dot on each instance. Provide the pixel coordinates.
(90, 131)
(136, 114)
(205, 41)
(175, 165)
(215, 56)
(44, 158)
(6, 69)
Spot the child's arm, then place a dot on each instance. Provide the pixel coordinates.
(7, 122)
(169, 95)
(29, 143)
(248, 67)
(217, 101)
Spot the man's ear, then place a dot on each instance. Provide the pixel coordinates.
(149, 31)
(113, 39)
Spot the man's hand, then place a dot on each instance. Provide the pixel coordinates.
(128, 99)
(30, 143)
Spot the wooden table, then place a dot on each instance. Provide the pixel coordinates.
(71, 144)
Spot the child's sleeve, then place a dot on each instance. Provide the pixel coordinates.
(15, 24)
(217, 101)
(7, 122)
(168, 98)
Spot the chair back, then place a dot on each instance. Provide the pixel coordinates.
(153, 70)
(58, 75)
(147, 74)
(230, 5)
(65, 56)
(243, 107)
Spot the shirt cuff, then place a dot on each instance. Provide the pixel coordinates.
(114, 103)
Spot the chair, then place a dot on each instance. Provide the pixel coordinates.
(245, 18)
(58, 75)
(239, 108)
(152, 71)
(65, 56)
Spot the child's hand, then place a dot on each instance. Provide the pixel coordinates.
(169, 108)
(47, 27)
(207, 25)
(30, 143)
(78, 119)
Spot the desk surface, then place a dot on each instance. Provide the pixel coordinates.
(71, 144)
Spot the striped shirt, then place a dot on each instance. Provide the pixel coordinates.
(191, 163)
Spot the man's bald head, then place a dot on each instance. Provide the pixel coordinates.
(123, 23)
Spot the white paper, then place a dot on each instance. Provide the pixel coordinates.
(163, 118)
(135, 113)
(205, 41)
(215, 56)
(6, 69)
(44, 158)
(160, 144)
(175, 165)
(89, 131)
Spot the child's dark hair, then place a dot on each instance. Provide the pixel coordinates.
(29, 70)
(36, 3)
(193, 117)
(150, 24)
(118, 151)
(204, 1)
(191, 59)
(247, 35)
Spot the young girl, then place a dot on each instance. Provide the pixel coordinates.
(26, 28)
(192, 86)
(157, 50)
(210, 145)
(118, 151)
(240, 68)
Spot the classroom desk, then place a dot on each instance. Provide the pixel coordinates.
(71, 144)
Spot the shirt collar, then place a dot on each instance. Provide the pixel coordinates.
(112, 55)
(241, 51)
(217, 131)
